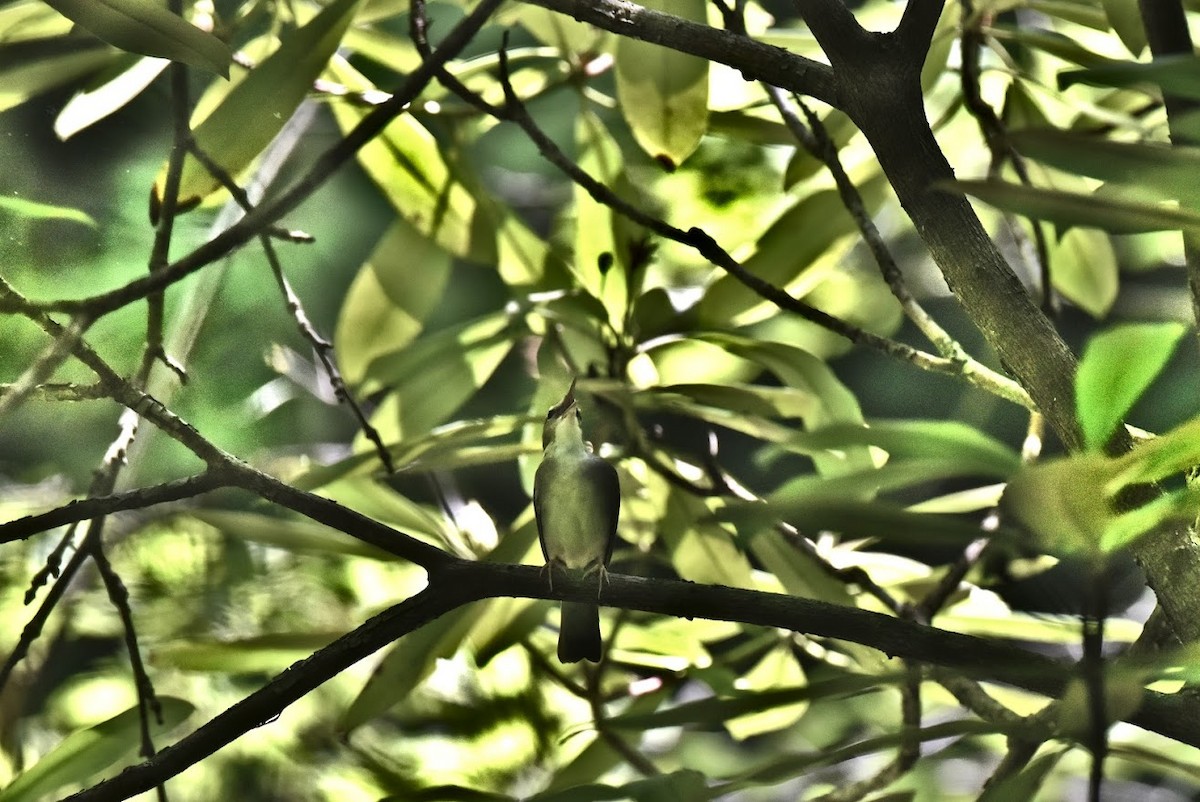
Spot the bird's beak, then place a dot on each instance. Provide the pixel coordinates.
(568, 399)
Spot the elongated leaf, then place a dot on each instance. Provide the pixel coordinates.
(294, 535)
(1175, 75)
(264, 653)
(919, 439)
(90, 106)
(1052, 42)
(1026, 783)
(146, 27)
(1160, 167)
(406, 665)
(1083, 267)
(664, 93)
(437, 373)
(33, 210)
(685, 785)
(1126, 19)
(1166, 455)
(413, 173)
(788, 255)
(1117, 367)
(59, 61)
(258, 107)
(86, 753)
(393, 294)
(1071, 209)
(715, 710)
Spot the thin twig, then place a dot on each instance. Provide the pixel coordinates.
(707, 247)
(321, 346)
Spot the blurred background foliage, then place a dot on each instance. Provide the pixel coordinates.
(464, 281)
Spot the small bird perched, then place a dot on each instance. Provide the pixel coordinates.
(576, 500)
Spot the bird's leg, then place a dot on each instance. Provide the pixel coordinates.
(601, 571)
(548, 570)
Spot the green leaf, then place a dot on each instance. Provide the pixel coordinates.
(86, 753)
(1156, 166)
(1117, 366)
(601, 258)
(789, 255)
(90, 106)
(406, 665)
(417, 177)
(33, 210)
(1072, 209)
(146, 27)
(1061, 503)
(1026, 783)
(1175, 75)
(258, 107)
(664, 93)
(919, 439)
(685, 785)
(1083, 268)
(437, 373)
(387, 304)
(59, 61)
(1126, 19)
(261, 654)
(715, 710)
(290, 534)
(1168, 454)
(1052, 42)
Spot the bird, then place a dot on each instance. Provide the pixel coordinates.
(576, 502)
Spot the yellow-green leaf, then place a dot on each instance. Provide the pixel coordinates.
(85, 753)
(664, 93)
(256, 109)
(147, 27)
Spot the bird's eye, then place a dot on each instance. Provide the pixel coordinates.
(550, 414)
(578, 415)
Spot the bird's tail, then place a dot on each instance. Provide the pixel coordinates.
(579, 633)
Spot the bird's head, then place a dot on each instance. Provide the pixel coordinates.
(563, 421)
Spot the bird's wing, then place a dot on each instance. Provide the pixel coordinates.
(538, 481)
(603, 478)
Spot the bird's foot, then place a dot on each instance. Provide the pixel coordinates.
(548, 570)
(602, 573)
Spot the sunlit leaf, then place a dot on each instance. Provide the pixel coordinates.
(601, 259)
(1052, 42)
(1083, 268)
(1152, 166)
(429, 379)
(1073, 209)
(57, 62)
(778, 668)
(715, 710)
(394, 292)
(918, 439)
(1175, 75)
(1118, 365)
(788, 256)
(86, 753)
(258, 107)
(92, 105)
(685, 785)
(1165, 455)
(290, 534)
(663, 92)
(406, 665)
(34, 210)
(261, 654)
(147, 27)
(1026, 783)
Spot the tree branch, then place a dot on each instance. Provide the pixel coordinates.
(459, 582)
